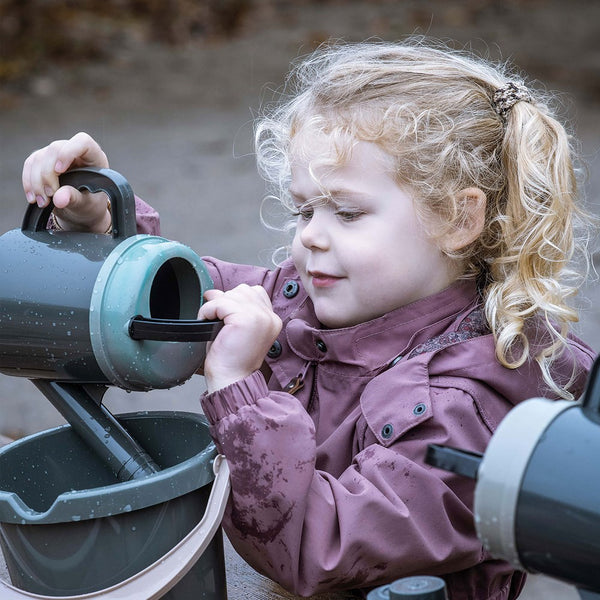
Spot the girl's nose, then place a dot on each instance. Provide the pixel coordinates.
(315, 233)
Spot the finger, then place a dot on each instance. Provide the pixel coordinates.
(233, 309)
(80, 151)
(247, 298)
(212, 294)
(40, 180)
(247, 293)
(26, 179)
(46, 178)
(30, 178)
(39, 187)
(223, 307)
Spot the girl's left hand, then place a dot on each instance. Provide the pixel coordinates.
(250, 328)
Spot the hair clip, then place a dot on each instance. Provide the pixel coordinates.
(508, 95)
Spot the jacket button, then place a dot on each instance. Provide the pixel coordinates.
(274, 350)
(290, 289)
(419, 409)
(321, 345)
(387, 431)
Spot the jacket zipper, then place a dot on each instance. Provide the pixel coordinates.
(297, 383)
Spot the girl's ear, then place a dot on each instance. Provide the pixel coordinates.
(472, 201)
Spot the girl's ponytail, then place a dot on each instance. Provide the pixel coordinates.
(535, 237)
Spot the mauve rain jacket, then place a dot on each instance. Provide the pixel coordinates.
(329, 485)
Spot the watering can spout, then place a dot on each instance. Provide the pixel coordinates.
(99, 429)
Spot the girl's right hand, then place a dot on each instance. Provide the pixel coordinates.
(250, 328)
(74, 210)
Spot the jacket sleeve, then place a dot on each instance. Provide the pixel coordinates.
(146, 218)
(388, 515)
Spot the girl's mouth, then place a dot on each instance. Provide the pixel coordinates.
(323, 280)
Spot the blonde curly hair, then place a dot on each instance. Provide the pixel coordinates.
(431, 109)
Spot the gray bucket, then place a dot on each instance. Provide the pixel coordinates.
(69, 528)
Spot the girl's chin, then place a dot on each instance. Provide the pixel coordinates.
(337, 320)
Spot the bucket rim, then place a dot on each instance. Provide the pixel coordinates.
(118, 498)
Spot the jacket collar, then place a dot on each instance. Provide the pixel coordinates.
(373, 345)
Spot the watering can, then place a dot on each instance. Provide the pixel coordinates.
(80, 312)
(537, 496)
(94, 308)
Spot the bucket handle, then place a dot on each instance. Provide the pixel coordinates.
(93, 179)
(158, 578)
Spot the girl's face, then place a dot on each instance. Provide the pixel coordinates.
(359, 247)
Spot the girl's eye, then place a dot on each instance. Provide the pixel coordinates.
(305, 213)
(349, 215)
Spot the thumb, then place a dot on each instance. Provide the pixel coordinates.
(83, 211)
(67, 196)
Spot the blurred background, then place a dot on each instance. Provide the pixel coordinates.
(170, 89)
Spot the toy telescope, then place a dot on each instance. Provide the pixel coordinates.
(537, 496)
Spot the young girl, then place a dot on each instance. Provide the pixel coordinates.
(433, 199)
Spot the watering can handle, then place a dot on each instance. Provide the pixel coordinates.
(157, 579)
(173, 330)
(93, 179)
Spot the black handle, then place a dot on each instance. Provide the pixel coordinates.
(173, 330)
(591, 396)
(92, 179)
(461, 462)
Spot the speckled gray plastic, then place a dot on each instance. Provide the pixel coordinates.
(69, 527)
(67, 298)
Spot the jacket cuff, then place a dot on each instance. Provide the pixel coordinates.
(228, 400)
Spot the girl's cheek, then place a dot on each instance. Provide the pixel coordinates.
(296, 247)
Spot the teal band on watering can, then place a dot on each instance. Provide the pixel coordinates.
(152, 277)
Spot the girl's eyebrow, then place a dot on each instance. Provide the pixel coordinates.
(343, 193)
(346, 193)
(301, 199)
(296, 195)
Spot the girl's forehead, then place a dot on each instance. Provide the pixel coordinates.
(311, 142)
(317, 169)
(314, 147)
